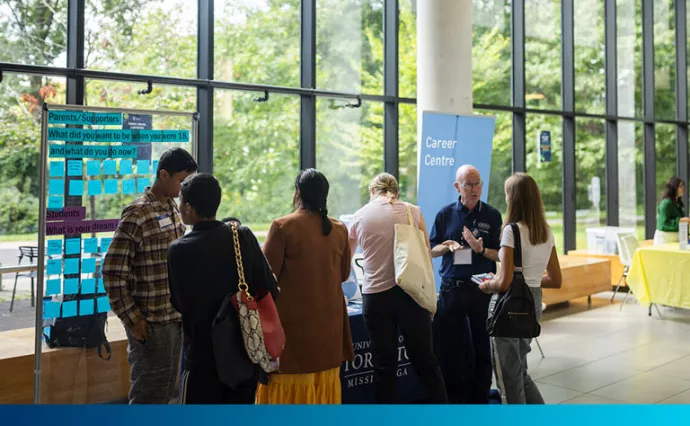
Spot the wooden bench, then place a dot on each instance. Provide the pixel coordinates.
(582, 277)
(69, 375)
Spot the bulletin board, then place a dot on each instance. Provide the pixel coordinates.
(94, 162)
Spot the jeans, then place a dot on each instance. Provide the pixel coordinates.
(383, 313)
(462, 342)
(510, 364)
(154, 364)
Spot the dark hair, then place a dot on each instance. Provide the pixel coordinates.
(671, 189)
(176, 160)
(202, 192)
(313, 195)
(231, 219)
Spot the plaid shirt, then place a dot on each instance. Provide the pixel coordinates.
(135, 270)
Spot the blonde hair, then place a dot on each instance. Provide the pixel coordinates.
(385, 185)
(525, 205)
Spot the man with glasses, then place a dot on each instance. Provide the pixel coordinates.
(467, 233)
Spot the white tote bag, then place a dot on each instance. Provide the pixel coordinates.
(414, 272)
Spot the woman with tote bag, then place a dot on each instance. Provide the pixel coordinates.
(387, 306)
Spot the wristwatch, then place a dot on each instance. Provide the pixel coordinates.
(483, 251)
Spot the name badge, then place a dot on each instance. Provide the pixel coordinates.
(164, 221)
(462, 256)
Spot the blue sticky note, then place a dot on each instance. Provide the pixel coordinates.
(88, 266)
(103, 304)
(54, 266)
(95, 187)
(76, 187)
(109, 167)
(126, 167)
(93, 168)
(51, 309)
(69, 309)
(105, 243)
(56, 202)
(86, 307)
(154, 168)
(53, 287)
(111, 186)
(90, 245)
(128, 186)
(101, 287)
(142, 184)
(57, 168)
(71, 285)
(143, 167)
(71, 266)
(72, 246)
(56, 187)
(54, 247)
(74, 168)
(88, 286)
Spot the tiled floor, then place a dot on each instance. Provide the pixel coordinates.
(599, 355)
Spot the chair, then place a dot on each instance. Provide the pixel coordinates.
(627, 245)
(32, 254)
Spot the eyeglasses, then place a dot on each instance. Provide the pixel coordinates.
(470, 185)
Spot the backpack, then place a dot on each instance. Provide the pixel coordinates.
(84, 331)
(513, 314)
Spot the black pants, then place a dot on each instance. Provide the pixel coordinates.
(462, 343)
(204, 387)
(383, 314)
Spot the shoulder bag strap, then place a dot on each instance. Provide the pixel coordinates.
(410, 219)
(517, 253)
(242, 284)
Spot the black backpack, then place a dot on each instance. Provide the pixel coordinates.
(513, 314)
(84, 331)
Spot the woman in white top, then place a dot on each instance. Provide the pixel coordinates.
(386, 306)
(524, 207)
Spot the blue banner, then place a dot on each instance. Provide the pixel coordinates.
(449, 141)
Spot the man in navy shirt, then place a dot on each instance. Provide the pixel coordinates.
(467, 233)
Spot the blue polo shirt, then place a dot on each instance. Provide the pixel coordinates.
(484, 221)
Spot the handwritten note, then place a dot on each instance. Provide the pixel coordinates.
(56, 202)
(57, 168)
(105, 243)
(74, 168)
(90, 245)
(54, 266)
(54, 247)
(72, 246)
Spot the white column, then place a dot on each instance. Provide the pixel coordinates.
(444, 57)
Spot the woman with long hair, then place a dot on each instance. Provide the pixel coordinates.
(526, 209)
(310, 255)
(386, 306)
(670, 211)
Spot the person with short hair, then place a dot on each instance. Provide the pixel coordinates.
(310, 254)
(386, 306)
(538, 247)
(202, 271)
(466, 233)
(670, 211)
(135, 276)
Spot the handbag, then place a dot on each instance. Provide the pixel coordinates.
(262, 332)
(414, 272)
(512, 313)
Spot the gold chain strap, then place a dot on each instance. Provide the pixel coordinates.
(242, 285)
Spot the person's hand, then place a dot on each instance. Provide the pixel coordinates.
(476, 244)
(485, 287)
(451, 245)
(140, 330)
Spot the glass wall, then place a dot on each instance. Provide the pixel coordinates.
(543, 54)
(590, 182)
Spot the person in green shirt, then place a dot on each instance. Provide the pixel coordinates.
(670, 211)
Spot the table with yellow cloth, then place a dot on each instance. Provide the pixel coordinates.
(661, 275)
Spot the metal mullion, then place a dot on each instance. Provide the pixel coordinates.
(681, 94)
(649, 116)
(204, 94)
(568, 99)
(517, 30)
(308, 81)
(611, 52)
(390, 65)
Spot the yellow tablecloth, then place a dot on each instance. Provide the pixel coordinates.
(661, 275)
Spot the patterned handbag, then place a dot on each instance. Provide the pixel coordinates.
(262, 332)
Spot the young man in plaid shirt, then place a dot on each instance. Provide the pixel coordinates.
(135, 275)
